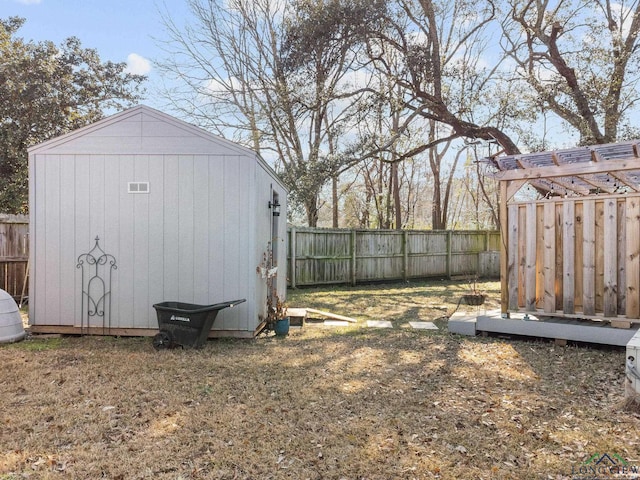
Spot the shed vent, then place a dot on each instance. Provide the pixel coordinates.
(138, 187)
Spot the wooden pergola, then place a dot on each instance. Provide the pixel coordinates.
(576, 251)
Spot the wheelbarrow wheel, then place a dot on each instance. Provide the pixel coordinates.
(162, 340)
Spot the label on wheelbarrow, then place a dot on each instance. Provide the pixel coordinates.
(176, 318)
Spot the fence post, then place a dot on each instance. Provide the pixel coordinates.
(353, 258)
(449, 233)
(405, 255)
(292, 250)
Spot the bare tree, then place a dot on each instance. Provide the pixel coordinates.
(434, 52)
(442, 183)
(430, 77)
(276, 75)
(383, 117)
(279, 75)
(370, 200)
(436, 41)
(480, 190)
(580, 57)
(243, 75)
(214, 69)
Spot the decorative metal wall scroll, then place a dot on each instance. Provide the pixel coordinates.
(97, 267)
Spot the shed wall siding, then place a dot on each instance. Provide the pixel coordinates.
(141, 131)
(186, 240)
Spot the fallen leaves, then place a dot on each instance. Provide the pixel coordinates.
(320, 404)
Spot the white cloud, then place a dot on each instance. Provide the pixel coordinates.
(137, 64)
(29, 2)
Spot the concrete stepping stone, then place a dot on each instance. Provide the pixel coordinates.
(423, 325)
(336, 323)
(379, 324)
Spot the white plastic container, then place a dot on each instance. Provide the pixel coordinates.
(633, 366)
(11, 328)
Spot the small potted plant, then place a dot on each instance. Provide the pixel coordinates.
(277, 318)
(475, 297)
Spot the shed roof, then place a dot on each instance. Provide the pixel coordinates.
(129, 115)
(607, 168)
(145, 130)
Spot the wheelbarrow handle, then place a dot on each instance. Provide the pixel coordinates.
(232, 303)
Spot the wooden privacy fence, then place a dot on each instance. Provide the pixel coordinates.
(324, 256)
(14, 254)
(330, 256)
(575, 256)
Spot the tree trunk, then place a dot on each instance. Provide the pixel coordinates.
(334, 201)
(397, 207)
(437, 218)
(311, 208)
(436, 208)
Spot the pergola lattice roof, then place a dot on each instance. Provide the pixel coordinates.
(608, 168)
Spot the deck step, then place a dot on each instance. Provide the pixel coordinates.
(556, 329)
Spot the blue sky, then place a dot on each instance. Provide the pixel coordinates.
(120, 30)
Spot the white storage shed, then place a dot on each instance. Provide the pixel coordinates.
(141, 208)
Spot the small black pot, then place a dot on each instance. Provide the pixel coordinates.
(474, 299)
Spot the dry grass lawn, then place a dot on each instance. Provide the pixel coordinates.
(323, 403)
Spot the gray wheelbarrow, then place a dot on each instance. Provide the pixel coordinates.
(186, 324)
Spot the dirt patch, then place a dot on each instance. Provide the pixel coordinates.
(323, 403)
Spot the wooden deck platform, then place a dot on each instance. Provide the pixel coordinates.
(553, 328)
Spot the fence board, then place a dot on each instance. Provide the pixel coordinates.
(540, 255)
(522, 256)
(559, 271)
(589, 258)
(599, 269)
(12, 277)
(512, 265)
(13, 237)
(321, 258)
(326, 256)
(549, 258)
(577, 264)
(633, 257)
(622, 253)
(610, 261)
(14, 254)
(581, 255)
(530, 262)
(568, 257)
